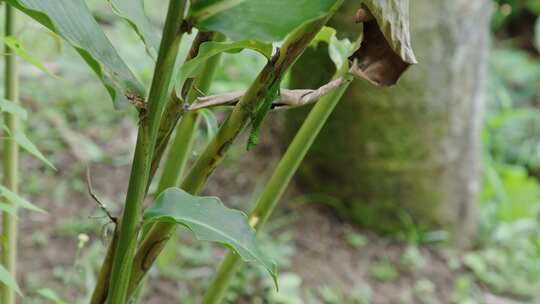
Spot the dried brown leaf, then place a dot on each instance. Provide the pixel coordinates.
(386, 51)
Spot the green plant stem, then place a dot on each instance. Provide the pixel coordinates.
(178, 155)
(276, 186)
(181, 146)
(214, 153)
(146, 141)
(99, 295)
(10, 159)
(174, 108)
(179, 152)
(170, 117)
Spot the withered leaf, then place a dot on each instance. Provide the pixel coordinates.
(386, 51)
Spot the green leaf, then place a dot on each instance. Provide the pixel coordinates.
(73, 21)
(133, 12)
(324, 35)
(20, 138)
(210, 221)
(262, 20)
(14, 44)
(7, 279)
(50, 295)
(211, 122)
(13, 109)
(209, 49)
(339, 50)
(18, 201)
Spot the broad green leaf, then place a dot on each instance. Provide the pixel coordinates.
(14, 44)
(209, 49)
(211, 122)
(18, 201)
(7, 279)
(386, 51)
(262, 20)
(133, 12)
(210, 221)
(13, 109)
(72, 20)
(20, 138)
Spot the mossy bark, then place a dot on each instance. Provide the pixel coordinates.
(411, 151)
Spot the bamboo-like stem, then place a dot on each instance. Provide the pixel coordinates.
(10, 160)
(99, 295)
(146, 141)
(277, 184)
(174, 108)
(170, 117)
(181, 146)
(178, 156)
(212, 156)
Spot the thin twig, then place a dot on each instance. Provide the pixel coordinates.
(287, 99)
(94, 196)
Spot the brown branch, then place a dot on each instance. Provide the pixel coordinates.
(94, 196)
(287, 99)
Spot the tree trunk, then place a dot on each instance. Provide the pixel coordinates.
(411, 152)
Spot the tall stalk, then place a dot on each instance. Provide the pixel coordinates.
(171, 114)
(214, 153)
(182, 144)
(174, 107)
(144, 150)
(10, 159)
(276, 186)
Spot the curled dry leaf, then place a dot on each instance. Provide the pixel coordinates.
(386, 51)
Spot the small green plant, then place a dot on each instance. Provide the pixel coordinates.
(13, 138)
(279, 30)
(384, 271)
(10, 162)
